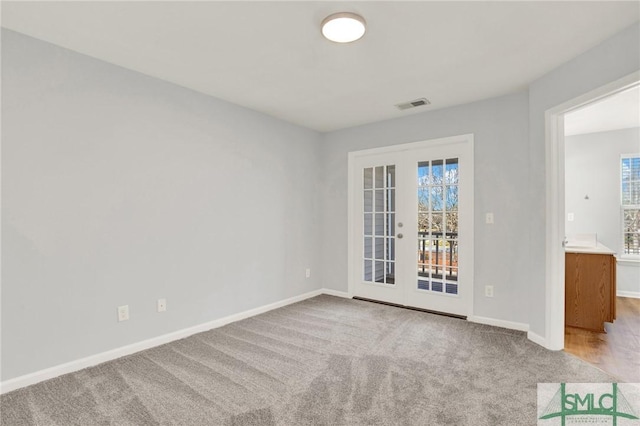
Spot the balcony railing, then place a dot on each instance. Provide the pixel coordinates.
(446, 257)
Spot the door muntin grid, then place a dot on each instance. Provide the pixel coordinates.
(379, 206)
(438, 218)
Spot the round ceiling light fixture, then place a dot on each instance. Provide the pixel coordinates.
(343, 27)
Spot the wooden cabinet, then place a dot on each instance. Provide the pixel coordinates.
(590, 290)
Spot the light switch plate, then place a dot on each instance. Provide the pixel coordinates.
(488, 291)
(489, 218)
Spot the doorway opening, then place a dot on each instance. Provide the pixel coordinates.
(602, 224)
(557, 215)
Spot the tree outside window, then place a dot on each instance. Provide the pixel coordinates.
(630, 201)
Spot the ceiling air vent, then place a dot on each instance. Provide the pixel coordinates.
(413, 104)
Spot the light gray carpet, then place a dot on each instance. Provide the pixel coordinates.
(323, 361)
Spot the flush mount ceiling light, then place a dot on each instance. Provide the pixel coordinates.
(343, 27)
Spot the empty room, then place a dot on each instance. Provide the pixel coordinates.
(319, 213)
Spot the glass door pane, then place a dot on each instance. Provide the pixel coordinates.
(437, 260)
(379, 194)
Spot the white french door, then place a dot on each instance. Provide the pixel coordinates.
(411, 217)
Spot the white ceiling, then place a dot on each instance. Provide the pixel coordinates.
(619, 111)
(270, 56)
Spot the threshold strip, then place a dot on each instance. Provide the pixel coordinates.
(396, 305)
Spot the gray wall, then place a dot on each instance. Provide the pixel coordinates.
(611, 60)
(628, 278)
(119, 188)
(592, 167)
(501, 178)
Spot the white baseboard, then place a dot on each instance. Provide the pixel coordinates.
(499, 323)
(70, 367)
(337, 293)
(512, 325)
(632, 294)
(536, 338)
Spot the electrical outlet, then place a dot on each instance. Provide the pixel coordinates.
(307, 273)
(488, 291)
(489, 218)
(123, 313)
(162, 305)
(570, 217)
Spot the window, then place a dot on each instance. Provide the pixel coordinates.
(630, 200)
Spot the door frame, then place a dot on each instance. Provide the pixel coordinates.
(352, 233)
(555, 204)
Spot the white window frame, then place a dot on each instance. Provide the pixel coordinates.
(623, 207)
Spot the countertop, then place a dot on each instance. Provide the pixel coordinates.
(599, 249)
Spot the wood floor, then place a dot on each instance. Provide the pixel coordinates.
(618, 350)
